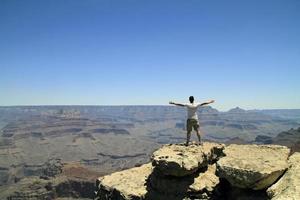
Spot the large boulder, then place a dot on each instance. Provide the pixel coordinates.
(180, 160)
(133, 184)
(152, 182)
(253, 166)
(288, 186)
(200, 184)
(125, 185)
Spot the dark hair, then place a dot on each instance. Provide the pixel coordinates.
(191, 98)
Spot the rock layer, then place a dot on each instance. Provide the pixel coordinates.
(125, 185)
(243, 172)
(288, 187)
(253, 166)
(180, 160)
(197, 175)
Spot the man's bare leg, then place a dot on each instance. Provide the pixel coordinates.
(198, 132)
(188, 136)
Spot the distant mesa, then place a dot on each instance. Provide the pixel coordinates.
(110, 130)
(208, 110)
(237, 110)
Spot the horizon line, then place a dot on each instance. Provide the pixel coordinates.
(119, 105)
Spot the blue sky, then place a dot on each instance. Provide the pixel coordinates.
(108, 52)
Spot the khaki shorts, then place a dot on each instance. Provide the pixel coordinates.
(192, 123)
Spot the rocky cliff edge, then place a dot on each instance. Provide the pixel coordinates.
(208, 171)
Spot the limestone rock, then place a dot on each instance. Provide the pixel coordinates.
(253, 166)
(288, 186)
(244, 173)
(133, 184)
(180, 160)
(200, 184)
(125, 185)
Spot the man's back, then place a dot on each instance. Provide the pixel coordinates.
(192, 110)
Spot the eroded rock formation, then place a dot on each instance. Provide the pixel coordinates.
(209, 171)
(288, 187)
(176, 172)
(253, 166)
(127, 184)
(179, 160)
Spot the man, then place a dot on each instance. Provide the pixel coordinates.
(192, 117)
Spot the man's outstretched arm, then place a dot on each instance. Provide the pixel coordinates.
(176, 104)
(206, 103)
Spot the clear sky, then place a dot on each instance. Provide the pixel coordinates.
(109, 52)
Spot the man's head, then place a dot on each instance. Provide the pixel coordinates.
(191, 98)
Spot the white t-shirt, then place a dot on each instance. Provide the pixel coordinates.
(192, 110)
